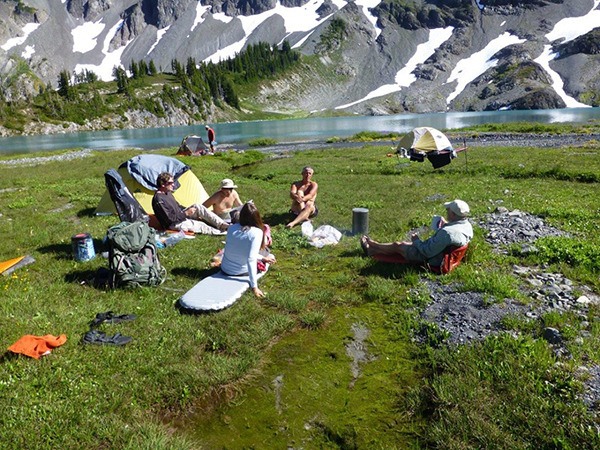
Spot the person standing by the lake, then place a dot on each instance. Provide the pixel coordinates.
(303, 194)
(211, 136)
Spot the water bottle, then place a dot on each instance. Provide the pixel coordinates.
(174, 238)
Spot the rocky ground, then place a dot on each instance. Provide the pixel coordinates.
(465, 317)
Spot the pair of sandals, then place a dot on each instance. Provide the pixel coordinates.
(95, 336)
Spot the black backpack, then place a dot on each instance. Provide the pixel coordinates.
(132, 257)
(128, 208)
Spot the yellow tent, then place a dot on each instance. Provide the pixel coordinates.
(189, 192)
(425, 139)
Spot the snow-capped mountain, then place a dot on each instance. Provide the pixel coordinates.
(366, 56)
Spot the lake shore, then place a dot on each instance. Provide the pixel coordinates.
(469, 139)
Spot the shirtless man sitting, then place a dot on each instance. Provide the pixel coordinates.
(224, 200)
(303, 194)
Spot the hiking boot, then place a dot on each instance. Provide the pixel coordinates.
(110, 317)
(98, 337)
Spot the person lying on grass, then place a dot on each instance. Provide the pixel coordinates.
(173, 216)
(455, 230)
(243, 246)
(303, 194)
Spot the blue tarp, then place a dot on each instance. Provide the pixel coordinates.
(145, 169)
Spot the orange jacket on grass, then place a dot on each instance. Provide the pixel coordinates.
(36, 346)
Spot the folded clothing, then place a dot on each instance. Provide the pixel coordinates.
(37, 346)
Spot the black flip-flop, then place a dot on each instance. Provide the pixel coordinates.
(98, 337)
(110, 317)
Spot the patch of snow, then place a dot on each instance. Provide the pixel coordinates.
(104, 70)
(159, 36)
(28, 52)
(200, 10)
(366, 5)
(13, 42)
(567, 29)
(405, 77)
(84, 36)
(557, 82)
(470, 68)
(222, 17)
(573, 27)
(297, 19)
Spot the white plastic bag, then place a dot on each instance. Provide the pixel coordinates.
(324, 235)
(307, 229)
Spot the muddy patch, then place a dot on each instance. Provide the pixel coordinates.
(357, 350)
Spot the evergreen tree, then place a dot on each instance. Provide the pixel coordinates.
(229, 94)
(134, 69)
(90, 76)
(122, 80)
(190, 67)
(65, 89)
(152, 68)
(143, 68)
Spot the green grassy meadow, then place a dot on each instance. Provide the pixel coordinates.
(274, 372)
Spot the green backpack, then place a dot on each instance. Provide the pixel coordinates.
(132, 257)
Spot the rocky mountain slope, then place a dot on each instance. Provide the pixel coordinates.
(363, 56)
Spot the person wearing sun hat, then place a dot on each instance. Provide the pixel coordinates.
(455, 230)
(225, 201)
(458, 207)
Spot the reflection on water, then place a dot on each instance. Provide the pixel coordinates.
(285, 130)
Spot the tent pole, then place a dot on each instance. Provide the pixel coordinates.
(466, 160)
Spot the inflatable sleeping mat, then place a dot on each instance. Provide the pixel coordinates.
(215, 292)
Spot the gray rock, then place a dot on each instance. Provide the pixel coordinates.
(552, 335)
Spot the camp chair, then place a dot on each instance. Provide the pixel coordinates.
(453, 255)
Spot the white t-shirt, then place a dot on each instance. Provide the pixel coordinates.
(242, 251)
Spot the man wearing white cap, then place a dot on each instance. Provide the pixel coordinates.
(456, 230)
(225, 200)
